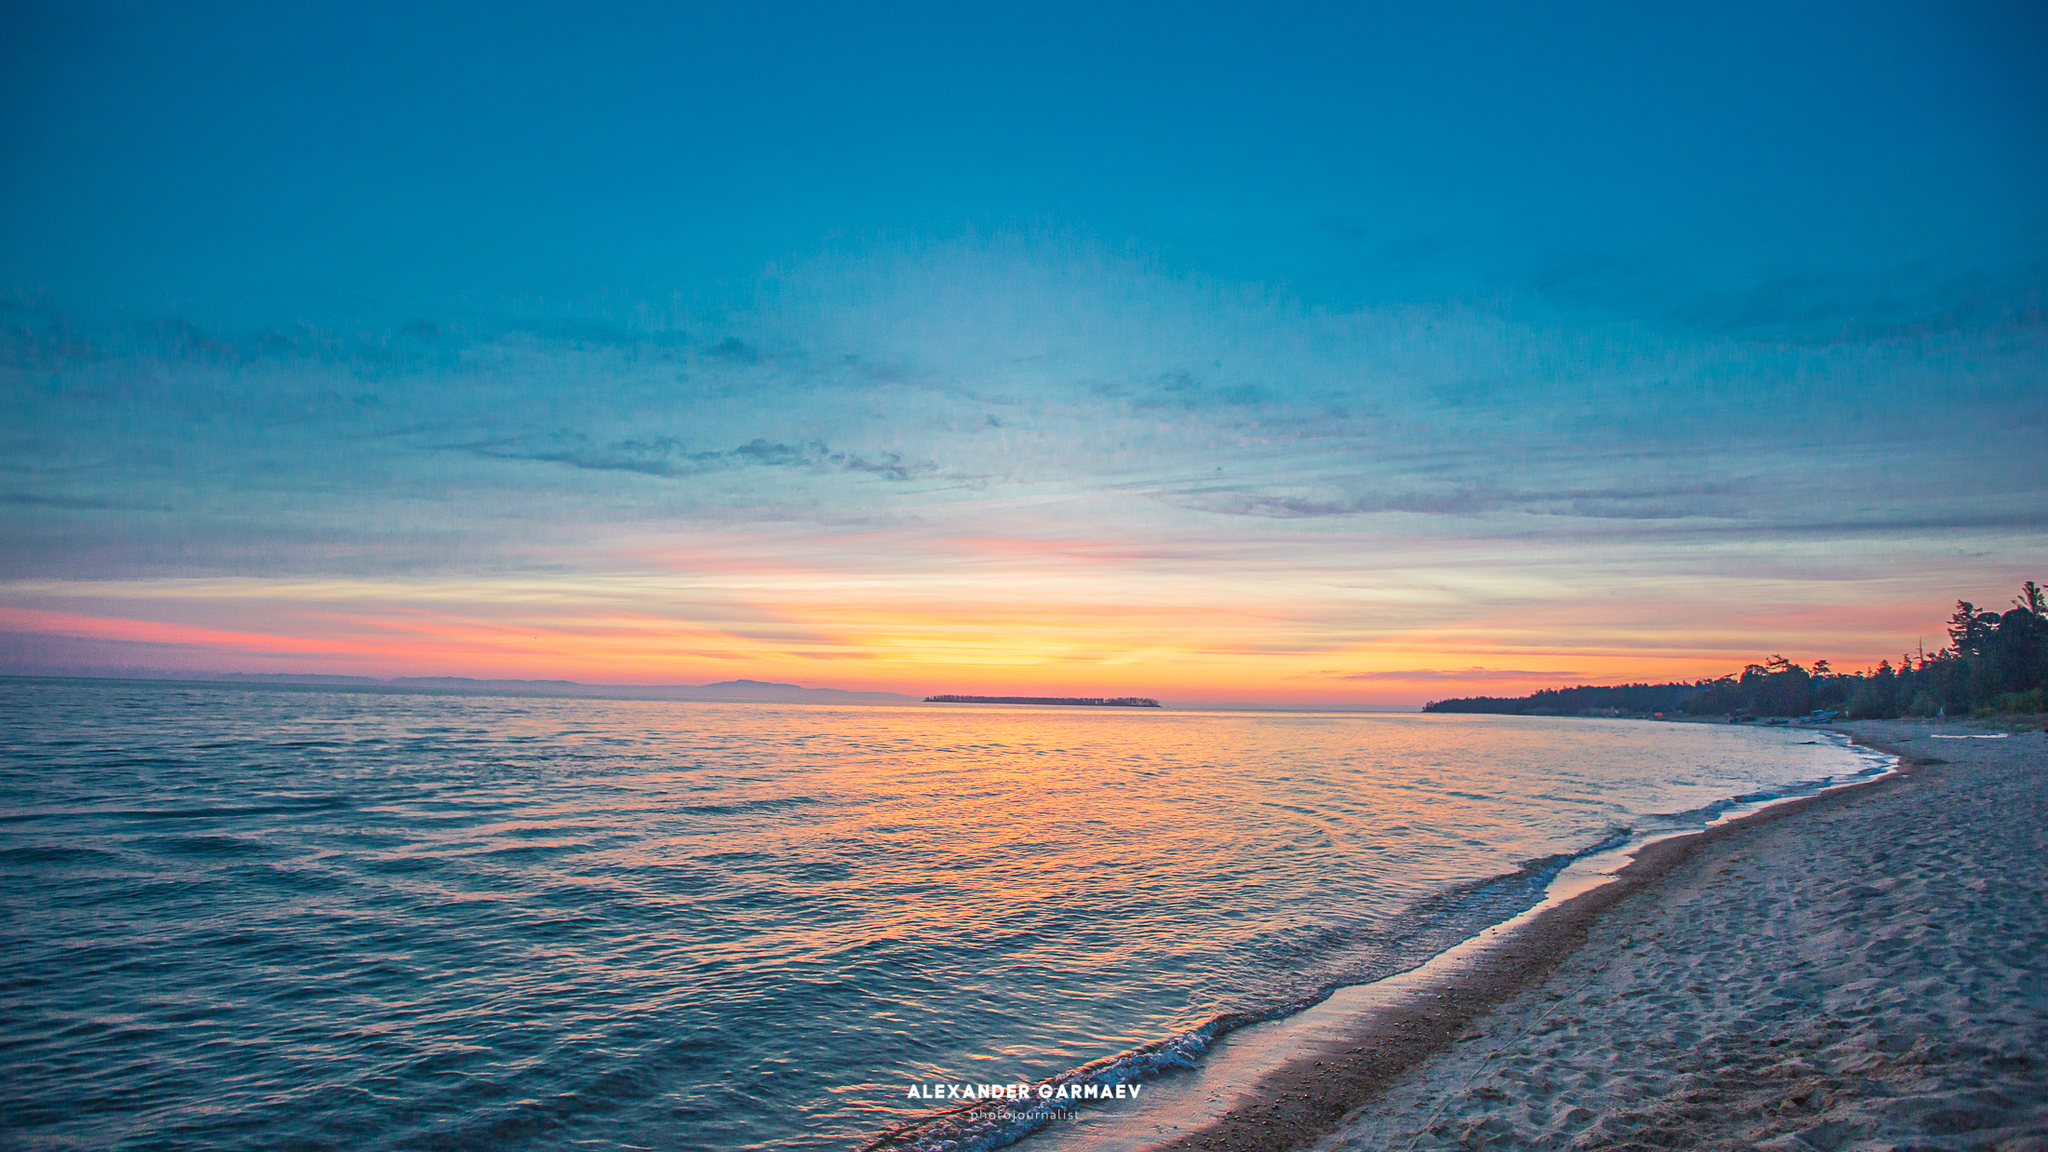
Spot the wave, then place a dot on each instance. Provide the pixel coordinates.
(1707, 813)
(747, 807)
(1425, 929)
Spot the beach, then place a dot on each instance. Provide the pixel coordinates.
(1861, 970)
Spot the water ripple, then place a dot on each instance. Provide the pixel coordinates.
(242, 919)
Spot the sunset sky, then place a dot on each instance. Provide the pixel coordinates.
(1341, 354)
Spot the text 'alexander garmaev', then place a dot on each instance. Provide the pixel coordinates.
(1023, 1091)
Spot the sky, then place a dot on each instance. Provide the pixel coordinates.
(1313, 354)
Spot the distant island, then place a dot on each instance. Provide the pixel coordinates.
(1080, 701)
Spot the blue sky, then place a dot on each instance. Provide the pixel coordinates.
(1368, 350)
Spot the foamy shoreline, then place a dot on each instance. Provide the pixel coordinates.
(1862, 969)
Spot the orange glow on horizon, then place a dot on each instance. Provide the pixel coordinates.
(1173, 645)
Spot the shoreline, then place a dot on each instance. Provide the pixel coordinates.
(1188, 1091)
(1312, 1096)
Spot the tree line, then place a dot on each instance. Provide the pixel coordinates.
(1995, 662)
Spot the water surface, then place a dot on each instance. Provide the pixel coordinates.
(239, 918)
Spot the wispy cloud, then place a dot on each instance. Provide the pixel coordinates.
(1005, 455)
(665, 456)
(80, 503)
(1468, 675)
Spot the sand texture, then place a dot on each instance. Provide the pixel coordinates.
(1870, 973)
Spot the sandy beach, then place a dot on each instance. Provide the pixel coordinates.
(1862, 970)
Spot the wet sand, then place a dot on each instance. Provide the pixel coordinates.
(1865, 969)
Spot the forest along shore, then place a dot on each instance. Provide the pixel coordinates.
(1858, 970)
(1996, 664)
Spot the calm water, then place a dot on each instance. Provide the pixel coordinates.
(267, 919)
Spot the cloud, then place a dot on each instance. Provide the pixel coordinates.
(1654, 502)
(733, 350)
(1811, 307)
(660, 456)
(1468, 675)
(760, 451)
(664, 456)
(1298, 508)
(81, 503)
(42, 348)
(1347, 471)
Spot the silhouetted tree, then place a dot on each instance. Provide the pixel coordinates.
(2032, 599)
(1968, 628)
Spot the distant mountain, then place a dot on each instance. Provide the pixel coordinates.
(267, 677)
(759, 691)
(753, 690)
(764, 690)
